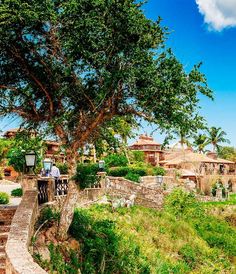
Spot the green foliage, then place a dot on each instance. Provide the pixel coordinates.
(4, 198)
(228, 153)
(216, 136)
(123, 171)
(137, 156)
(22, 143)
(5, 145)
(62, 167)
(86, 175)
(116, 160)
(18, 192)
(101, 247)
(189, 255)
(181, 203)
(217, 233)
(200, 142)
(159, 171)
(47, 214)
(62, 260)
(133, 177)
(118, 172)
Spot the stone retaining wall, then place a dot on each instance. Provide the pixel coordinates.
(118, 183)
(19, 260)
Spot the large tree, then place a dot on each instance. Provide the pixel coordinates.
(69, 66)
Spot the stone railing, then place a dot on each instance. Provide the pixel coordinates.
(18, 258)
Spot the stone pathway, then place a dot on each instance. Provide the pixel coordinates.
(6, 214)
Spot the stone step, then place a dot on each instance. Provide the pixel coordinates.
(3, 238)
(2, 269)
(2, 248)
(5, 228)
(2, 257)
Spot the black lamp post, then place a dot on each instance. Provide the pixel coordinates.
(30, 161)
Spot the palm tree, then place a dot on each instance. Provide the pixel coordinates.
(183, 137)
(216, 136)
(200, 142)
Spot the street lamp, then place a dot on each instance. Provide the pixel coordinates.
(159, 180)
(47, 165)
(30, 160)
(101, 165)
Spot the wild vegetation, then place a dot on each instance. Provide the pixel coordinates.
(182, 238)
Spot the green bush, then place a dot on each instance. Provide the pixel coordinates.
(18, 192)
(115, 160)
(133, 177)
(4, 198)
(159, 171)
(182, 204)
(63, 168)
(118, 171)
(86, 175)
(137, 156)
(48, 213)
(123, 171)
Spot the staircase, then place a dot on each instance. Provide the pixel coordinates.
(6, 215)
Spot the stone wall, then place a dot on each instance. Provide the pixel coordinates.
(19, 260)
(145, 193)
(151, 181)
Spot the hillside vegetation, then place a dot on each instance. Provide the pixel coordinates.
(182, 238)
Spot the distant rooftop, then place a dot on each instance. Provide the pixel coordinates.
(145, 140)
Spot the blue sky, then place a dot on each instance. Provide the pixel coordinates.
(208, 36)
(214, 43)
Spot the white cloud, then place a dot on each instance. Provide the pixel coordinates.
(218, 14)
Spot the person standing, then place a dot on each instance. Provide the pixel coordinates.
(55, 172)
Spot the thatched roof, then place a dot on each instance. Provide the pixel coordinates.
(190, 157)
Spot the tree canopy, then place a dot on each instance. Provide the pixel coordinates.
(70, 66)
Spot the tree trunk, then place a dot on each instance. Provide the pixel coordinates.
(67, 211)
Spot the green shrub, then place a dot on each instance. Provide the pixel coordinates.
(133, 177)
(86, 175)
(63, 168)
(18, 192)
(115, 160)
(48, 213)
(189, 255)
(159, 171)
(137, 156)
(123, 171)
(4, 198)
(182, 204)
(118, 171)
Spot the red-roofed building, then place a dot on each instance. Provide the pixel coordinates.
(151, 149)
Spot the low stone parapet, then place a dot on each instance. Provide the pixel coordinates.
(18, 258)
